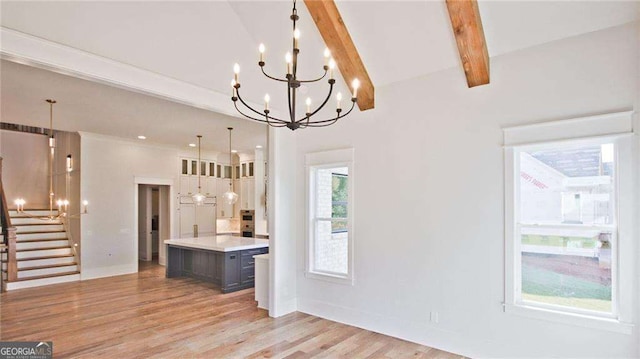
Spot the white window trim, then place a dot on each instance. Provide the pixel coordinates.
(319, 160)
(617, 127)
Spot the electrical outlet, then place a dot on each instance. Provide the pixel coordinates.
(434, 317)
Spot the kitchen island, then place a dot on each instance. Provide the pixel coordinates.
(223, 260)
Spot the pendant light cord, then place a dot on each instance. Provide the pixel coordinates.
(199, 168)
(230, 159)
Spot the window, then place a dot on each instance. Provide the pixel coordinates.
(568, 214)
(566, 226)
(330, 234)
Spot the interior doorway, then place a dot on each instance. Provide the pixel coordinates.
(153, 222)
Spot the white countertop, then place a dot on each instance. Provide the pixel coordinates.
(220, 243)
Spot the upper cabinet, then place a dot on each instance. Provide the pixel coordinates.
(247, 169)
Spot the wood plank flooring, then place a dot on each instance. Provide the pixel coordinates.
(145, 315)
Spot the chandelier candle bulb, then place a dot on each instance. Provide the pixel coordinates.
(338, 99)
(85, 206)
(236, 71)
(288, 59)
(327, 54)
(233, 88)
(296, 37)
(266, 101)
(332, 66)
(308, 105)
(261, 49)
(356, 85)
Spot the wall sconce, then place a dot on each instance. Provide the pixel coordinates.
(69, 163)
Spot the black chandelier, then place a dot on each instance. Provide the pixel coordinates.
(293, 83)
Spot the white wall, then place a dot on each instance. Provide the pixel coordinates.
(25, 168)
(109, 231)
(429, 197)
(282, 223)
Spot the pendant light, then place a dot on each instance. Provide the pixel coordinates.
(198, 198)
(230, 197)
(63, 204)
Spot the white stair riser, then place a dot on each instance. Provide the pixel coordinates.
(43, 262)
(19, 220)
(45, 271)
(44, 281)
(41, 235)
(40, 212)
(43, 253)
(39, 228)
(43, 244)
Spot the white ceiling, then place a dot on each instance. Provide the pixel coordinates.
(92, 107)
(198, 42)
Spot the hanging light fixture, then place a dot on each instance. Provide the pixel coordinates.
(230, 197)
(198, 198)
(293, 83)
(63, 204)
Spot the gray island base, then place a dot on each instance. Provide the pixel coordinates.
(223, 260)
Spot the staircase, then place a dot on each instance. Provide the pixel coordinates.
(43, 252)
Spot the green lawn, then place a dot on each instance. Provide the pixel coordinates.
(546, 286)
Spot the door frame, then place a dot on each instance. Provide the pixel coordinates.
(170, 221)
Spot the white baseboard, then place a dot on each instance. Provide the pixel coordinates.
(101, 272)
(409, 330)
(283, 307)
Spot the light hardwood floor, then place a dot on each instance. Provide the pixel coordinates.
(145, 315)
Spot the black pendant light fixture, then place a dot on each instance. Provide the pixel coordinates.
(293, 84)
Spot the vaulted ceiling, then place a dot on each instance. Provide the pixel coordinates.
(198, 42)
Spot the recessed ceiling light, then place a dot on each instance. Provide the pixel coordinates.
(234, 151)
(258, 146)
(192, 145)
(142, 137)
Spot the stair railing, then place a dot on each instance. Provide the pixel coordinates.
(9, 236)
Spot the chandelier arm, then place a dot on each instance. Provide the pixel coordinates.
(235, 104)
(321, 106)
(271, 77)
(245, 104)
(316, 80)
(332, 120)
(324, 124)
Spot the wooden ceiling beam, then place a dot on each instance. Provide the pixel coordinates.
(336, 36)
(467, 29)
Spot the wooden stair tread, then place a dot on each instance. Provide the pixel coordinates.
(36, 224)
(41, 240)
(48, 266)
(40, 232)
(41, 249)
(53, 275)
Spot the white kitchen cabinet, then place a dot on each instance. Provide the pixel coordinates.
(247, 193)
(237, 188)
(210, 187)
